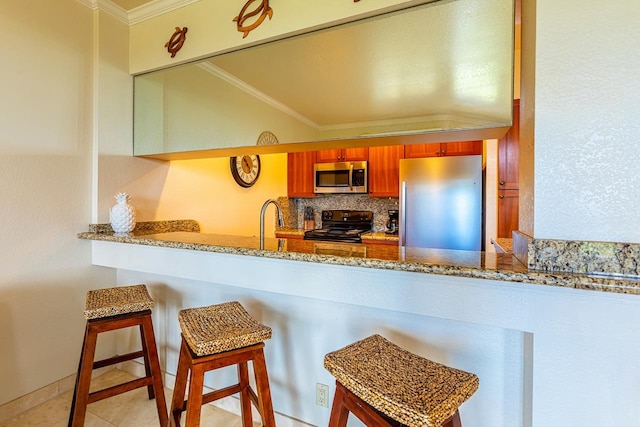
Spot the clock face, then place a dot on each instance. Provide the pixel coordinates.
(245, 169)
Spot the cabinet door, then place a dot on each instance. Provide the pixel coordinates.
(463, 148)
(300, 174)
(508, 201)
(384, 170)
(509, 153)
(342, 155)
(355, 154)
(421, 150)
(329, 156)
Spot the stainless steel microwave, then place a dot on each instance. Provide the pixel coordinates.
(340, 178)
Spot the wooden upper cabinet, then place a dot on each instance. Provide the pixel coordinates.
(421, 150)
(463, 148)
(384, 170)
(509, 154)
(300, 174)
(342, 155)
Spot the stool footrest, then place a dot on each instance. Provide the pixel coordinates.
(219, 394)
(117, 359)
(119, 389)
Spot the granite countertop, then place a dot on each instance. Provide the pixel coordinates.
(480, 265)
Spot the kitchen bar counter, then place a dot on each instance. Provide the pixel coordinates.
(532, 338)
(481, 265)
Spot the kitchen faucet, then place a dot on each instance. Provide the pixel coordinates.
(262, 211)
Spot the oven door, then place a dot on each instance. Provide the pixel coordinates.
(340, 178)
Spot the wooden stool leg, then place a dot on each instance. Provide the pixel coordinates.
(453, 421)
(339, 412)
(152, 366)
(245, 395)
(194, 402)
(147, 365)
(182, 374)
(350, 403)
(264, 393)
(83, 379)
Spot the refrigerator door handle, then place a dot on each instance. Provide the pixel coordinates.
(403, 213)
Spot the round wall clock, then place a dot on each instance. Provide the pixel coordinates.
(245, 169)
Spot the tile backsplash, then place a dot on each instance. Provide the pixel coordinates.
(294, 208)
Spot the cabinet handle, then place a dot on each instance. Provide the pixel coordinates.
(501, 196)
(502, 182)
(444, 152)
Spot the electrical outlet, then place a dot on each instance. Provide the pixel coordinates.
(322, 395)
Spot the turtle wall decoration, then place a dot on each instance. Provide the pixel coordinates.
(262, 10)
(176, 41)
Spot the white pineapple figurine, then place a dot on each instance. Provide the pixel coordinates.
(122, 216)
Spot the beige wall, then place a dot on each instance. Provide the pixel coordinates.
(205, 190)
(586, 120)
(45, 191)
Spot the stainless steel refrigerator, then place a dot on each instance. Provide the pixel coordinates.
(441, 202)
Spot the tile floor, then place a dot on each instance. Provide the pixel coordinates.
(132, 409)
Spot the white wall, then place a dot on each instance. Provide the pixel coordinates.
(45, 191)
(586, 120)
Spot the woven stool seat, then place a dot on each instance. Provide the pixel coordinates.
(405, 387)
(219, 328)
(115, 301)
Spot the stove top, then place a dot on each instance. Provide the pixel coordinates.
(342, 226)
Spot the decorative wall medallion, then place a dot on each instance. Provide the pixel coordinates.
(176, 41)
(263, 10)
(267, 138)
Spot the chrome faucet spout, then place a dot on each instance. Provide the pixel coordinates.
(262, 212)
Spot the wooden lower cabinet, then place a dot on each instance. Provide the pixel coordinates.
(300, 174)
(508, 203)
(384, 170)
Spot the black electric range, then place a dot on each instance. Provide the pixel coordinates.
(342, 226)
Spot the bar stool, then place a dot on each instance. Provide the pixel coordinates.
(107, 310)
(385, 385)
(214, 337)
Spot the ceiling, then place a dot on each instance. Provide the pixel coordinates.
(131, 4)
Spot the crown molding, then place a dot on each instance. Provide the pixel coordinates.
(156, 8)
(91, 4)
(233, 80)
(138, 14)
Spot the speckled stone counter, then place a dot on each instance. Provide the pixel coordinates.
(480, 265)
